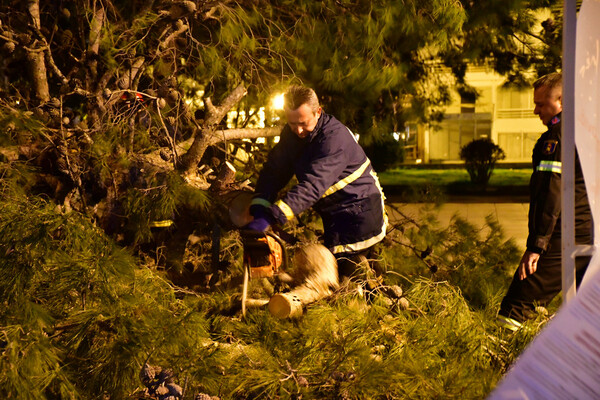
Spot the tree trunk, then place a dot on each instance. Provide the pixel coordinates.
(94, 45)
(35, 56)
(38, 75)
(91, 83)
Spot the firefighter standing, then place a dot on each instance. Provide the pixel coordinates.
(538, 278)
(334, 175)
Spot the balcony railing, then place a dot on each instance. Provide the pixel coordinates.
(515, 113)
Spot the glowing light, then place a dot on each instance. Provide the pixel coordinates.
(277, 102)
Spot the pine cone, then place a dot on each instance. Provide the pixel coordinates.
(393, 291)
(173, 95)
(8, 47)
(165, 154)
(302, 381)
(53, 102)
(148, 373)
(388, 302)
(181, 9)
(403, 303)
(337, 376)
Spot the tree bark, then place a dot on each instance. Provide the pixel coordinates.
(91, 83)
(94, 46)
(35, 56)
(39, 75)
(155, 159)
(207, 136)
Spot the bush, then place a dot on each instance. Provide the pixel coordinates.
(480, 156)
(384, 154)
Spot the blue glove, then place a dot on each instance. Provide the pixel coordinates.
(262, 219)
(259, 225)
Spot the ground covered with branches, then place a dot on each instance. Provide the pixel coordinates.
(84, 317)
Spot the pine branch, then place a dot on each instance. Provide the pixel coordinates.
(207, 136)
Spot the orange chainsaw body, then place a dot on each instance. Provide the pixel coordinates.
(264, 253)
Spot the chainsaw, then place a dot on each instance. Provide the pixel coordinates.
(265, 254)
(315, 267)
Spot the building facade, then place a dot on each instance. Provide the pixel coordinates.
(503, 114)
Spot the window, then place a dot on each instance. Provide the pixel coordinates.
(515, 103)
(455, 131)
(518, 146)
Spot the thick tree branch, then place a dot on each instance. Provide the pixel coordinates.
(35, 57)
(224, 135)
(94, 45)
(246, 133)
(207, 136)
(91, 83)
(181, 29)
(219, 136)
(39, 75)
(126, 82)
(216, 114)
(33, 6)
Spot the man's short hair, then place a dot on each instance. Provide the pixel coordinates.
(298, 95)
(550, 81)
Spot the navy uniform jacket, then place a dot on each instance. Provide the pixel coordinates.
(335, 177)
(545, 193)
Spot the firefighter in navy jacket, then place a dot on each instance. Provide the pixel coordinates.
(538, 279)
(334, 175)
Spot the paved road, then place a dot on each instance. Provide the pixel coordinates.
(511, 216)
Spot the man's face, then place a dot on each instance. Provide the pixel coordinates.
(548, 103)
(302, 120)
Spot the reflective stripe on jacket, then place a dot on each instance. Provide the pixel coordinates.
(335, 177)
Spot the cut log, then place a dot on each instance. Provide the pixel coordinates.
(316, 268)
(225, 177)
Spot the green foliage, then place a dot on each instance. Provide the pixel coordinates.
(82, 316)
(160, 199)
(370, 62)
(503, 33)
(480, 156)
(79, 318)
(350, 348)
